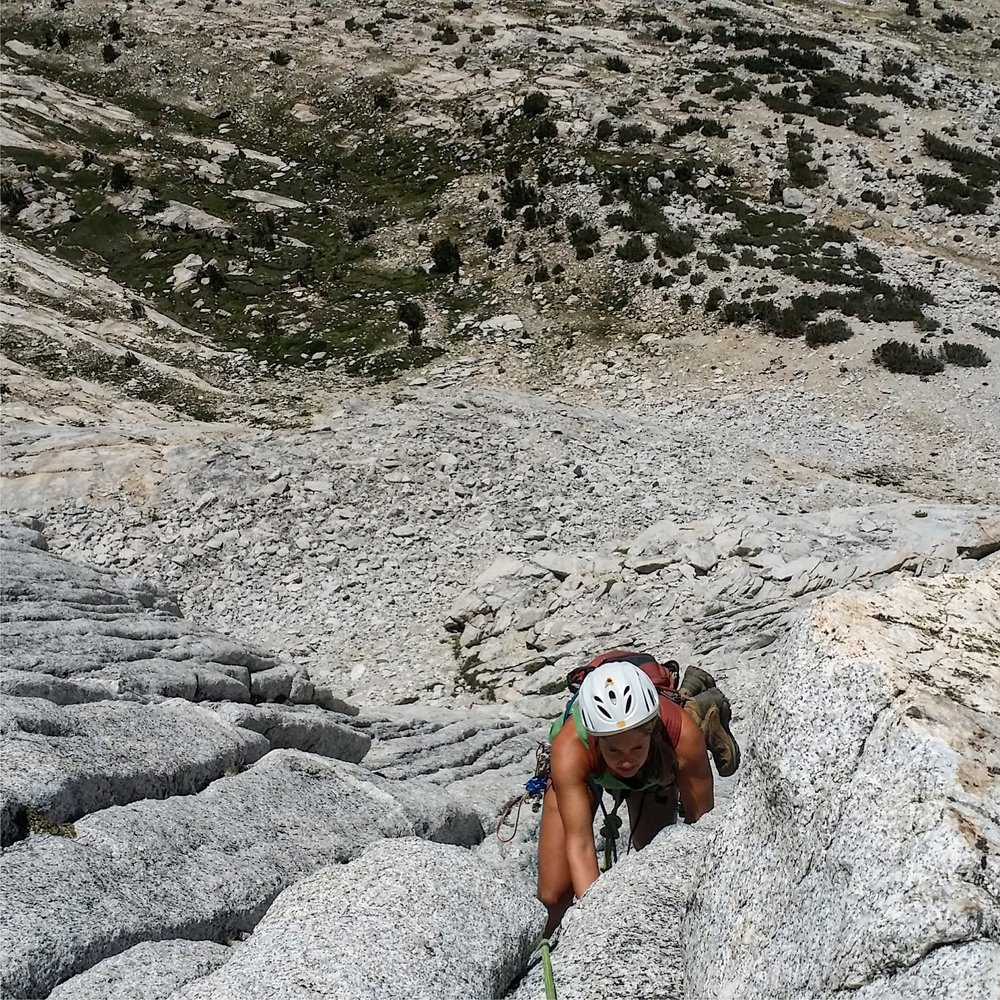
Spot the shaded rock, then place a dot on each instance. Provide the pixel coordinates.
(406, 919)
(300, 727)
(559, 565)
(153, 970)
(981, 539)
(31, 684)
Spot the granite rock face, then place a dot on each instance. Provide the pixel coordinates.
(407, 919)
(199, 866)
(153, 970)
(861, 852)
(855, 852)
(623, 939)
(65, 762)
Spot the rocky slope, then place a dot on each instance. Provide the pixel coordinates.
(412, 353)
(867, 799)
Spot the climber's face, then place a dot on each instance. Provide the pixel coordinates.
(625, 753)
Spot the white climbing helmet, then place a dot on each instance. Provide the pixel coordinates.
(616, 697)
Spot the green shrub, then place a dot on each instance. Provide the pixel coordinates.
(869, 260)
(547, 129)
(519, 193)
(906, 359)
(976, 167)
(800, 172)
(670, 33)
(617, 65)
(685, 301)
(634, 133)
(828, 331)
(535, 104)
(605, 129)
(715, 298)
(964, 355)
(954, 194)
(949, 23)
(632, 250)
(876, 198)
(445, 34)
(584, 238)
(411, 314)
(494, 238)
(360, 227)
(990, 331)
(109, 53)
(447, 259)
(676, 242)
(13, 197)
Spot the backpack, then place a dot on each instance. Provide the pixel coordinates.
(665, 676)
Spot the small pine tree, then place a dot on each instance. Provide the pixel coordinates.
(535, 104)
(411, 314)
(120, 179)
(632, 250)
(360, 227)
(446, 257)
(494, 238)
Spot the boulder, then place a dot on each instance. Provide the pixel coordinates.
(861, 852)
(300, 727)
(406, 919)
(64, 762)
(153, 970)
(981, 539)
(623, 938)
(198, 866)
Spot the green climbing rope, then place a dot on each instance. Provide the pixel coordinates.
(550, 983)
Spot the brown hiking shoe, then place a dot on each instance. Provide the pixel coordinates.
(695, 681)
(711, 710)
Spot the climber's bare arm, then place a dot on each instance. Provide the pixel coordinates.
(570, 769)
(694, 774)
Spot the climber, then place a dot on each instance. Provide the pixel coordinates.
(632, 739)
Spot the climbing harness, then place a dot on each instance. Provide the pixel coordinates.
(610, 828)
(534, 792)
